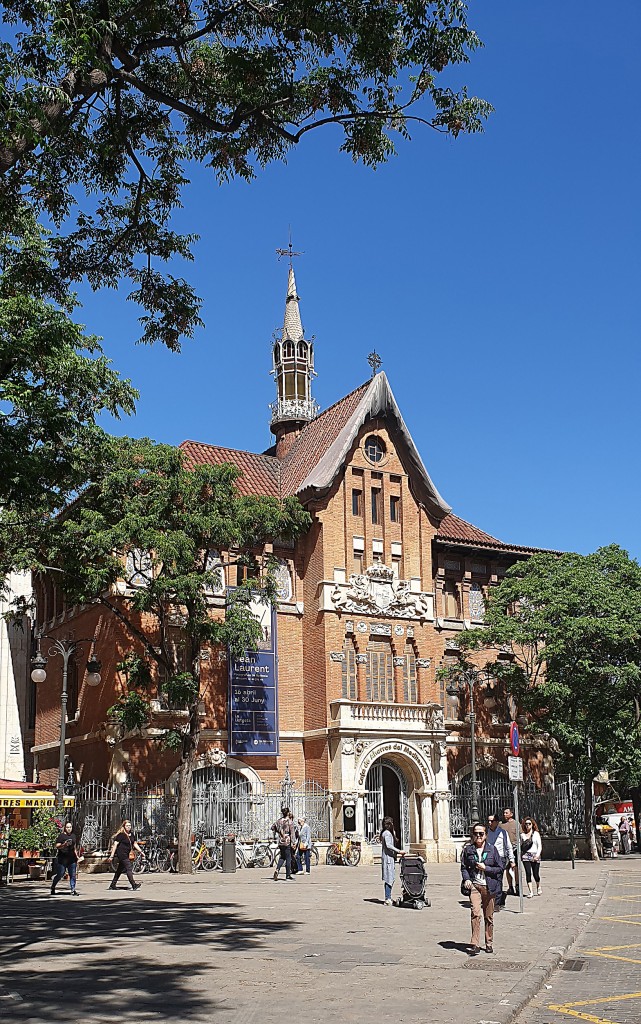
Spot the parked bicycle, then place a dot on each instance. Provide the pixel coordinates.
(346, 850)
(253, 853)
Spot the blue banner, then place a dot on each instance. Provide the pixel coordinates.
(253, 698)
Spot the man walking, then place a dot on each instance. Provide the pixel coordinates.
(499, 839)
(285, 833)
(510, 825)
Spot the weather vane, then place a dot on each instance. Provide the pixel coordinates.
(289, 251)
(374, 361)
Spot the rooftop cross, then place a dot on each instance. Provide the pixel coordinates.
(374, 361)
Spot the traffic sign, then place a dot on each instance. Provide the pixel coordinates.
(515, 742)
(515, 769)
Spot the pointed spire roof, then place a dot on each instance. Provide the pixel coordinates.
(292, 326)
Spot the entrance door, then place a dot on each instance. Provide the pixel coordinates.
(386, 796)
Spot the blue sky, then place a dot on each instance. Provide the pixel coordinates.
(497, 276)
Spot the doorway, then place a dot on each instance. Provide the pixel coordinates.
(386, 796)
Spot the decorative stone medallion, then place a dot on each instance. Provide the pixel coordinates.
(398, 630)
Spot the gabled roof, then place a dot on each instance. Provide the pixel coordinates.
(332, 435)
(261, 473)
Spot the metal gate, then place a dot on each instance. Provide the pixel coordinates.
(100, 809)
(374, 800)
(557, 812)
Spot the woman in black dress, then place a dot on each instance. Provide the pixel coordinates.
(123, 846)
(67, 859)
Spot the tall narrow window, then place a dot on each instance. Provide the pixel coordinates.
(349, 673)
(396, 566)
(477, 602)
(377, 505)
(357, 502)
(379, 674)
(358, 562)
(451, 602)
(395, 508)
(410, 685)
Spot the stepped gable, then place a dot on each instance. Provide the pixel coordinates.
(261, 473)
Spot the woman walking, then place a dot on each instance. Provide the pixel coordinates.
(304, 844)
(123, 846)
(389, 853)
(67, 859)
(482, 871)
(531, 848)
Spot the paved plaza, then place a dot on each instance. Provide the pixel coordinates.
(243, 949)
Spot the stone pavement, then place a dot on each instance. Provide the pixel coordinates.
(242, 949)
(599, 980)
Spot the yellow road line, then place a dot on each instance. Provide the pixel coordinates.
(601, 949)
(608, 956)
(568, 1008)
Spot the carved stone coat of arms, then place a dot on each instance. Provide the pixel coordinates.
(378, 592)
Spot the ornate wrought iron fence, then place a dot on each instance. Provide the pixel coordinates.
(558, 812)
(100, 808)
(222, 799)
(226, 802)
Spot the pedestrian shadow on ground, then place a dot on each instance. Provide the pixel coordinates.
(371, 899)
(98, 955)
(462, 947)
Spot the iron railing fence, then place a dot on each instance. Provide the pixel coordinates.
(558, 812)
(223, 801)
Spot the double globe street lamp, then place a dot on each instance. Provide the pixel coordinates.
(468, 678)
(66, 649)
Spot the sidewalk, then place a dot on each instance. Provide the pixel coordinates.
(600, 978)
(243, 949)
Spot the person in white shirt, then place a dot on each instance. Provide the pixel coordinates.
(500, 840)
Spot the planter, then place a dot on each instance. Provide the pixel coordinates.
(13, 854)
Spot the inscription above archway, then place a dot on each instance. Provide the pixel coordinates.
(401, 749)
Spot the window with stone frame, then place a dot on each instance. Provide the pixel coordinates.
(451, 600)
(379, 674)
(410, 680)
(359, 564)
(350, 675)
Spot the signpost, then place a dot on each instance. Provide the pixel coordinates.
(515, 770)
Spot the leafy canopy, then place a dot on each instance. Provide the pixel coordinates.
(107, 102)
(573, 625)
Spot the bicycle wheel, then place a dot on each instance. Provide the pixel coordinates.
(138, 865)
(353, 856)
(166, 862)
(313, 855)
(208, 863)
(240, 858)
(263, 856)
(332, 856)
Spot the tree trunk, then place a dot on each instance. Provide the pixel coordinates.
(185, 774)
(589, 819)
(635, 795)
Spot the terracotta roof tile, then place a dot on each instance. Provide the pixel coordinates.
(453, 528)
(316, 438)
(261, 473)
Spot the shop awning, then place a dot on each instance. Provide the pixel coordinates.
(29, 794)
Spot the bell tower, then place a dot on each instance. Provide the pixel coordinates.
(293, 370)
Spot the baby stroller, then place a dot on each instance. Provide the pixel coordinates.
(413, 879)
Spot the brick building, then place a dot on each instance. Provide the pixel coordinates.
(371, 601)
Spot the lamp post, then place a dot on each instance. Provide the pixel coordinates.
(66, 649)
(469, 677)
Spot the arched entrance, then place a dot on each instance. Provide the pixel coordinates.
(386, 795)
(221, 800)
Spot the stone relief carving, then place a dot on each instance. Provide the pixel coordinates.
(399, 661)
(361, 659)
(216, 757)
(437, 718)
(361, 746)
(423, 662)
(380, 629)
(378, 591)
(348, 747)
(398, 631)
(337, 655)
(362, 627)
(349, 626)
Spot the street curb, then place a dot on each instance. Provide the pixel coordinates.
(507, 1009)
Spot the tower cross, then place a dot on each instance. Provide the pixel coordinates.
(374, 361)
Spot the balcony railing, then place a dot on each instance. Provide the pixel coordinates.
(383, 717)
(294, 409)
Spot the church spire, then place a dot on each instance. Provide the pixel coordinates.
(293, 369)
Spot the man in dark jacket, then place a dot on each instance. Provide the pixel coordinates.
(285, 832)
(482, 871)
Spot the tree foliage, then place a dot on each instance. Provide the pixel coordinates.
(54, 383)
(573, 626)
(144, 541)
(105, 103)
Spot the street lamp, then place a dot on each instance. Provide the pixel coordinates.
(65, 648)
(454, 688)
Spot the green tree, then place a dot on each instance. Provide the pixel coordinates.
(105, 103)
(573, 626)
(54, 383)
(154, 524)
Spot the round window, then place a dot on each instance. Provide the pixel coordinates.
(374, 448)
